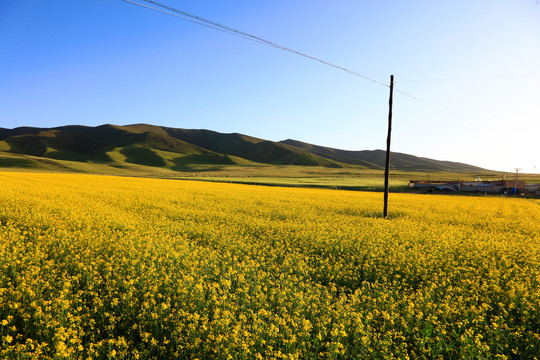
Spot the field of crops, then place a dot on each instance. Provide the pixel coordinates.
(108, 267)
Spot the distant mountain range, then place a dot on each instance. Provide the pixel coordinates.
(180, 149)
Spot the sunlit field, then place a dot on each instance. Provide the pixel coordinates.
(108, 267)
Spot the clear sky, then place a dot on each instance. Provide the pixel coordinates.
(474, 64)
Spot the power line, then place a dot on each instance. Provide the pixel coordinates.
(466, 78)
(214, 25)
(173, 14)
(426, 103)
(227, 29)
(453, 79)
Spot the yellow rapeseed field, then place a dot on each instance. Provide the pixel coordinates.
(96, 267)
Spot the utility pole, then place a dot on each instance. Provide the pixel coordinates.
(387, 168)
(517, 170)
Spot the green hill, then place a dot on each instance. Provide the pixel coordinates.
(188, 149)
(376, 159)
(250, 148)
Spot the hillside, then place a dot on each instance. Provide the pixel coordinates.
(185, 149)
(377, 158)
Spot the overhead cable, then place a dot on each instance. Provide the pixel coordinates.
(212, 24)
(224, 28)
(426, 103)
(468, 78)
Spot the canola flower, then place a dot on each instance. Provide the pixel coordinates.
(96, 267)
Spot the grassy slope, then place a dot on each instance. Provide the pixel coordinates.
(145, 145)
(250, 148)
(242, 172)
(142, 144)
(147, 150)
(22, 162)
(377, 159)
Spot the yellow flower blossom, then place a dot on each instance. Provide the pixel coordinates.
(98, 266)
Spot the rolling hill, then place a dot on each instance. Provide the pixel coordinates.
(376, 159)
(184, 149)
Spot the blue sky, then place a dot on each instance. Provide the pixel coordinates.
(475, 66)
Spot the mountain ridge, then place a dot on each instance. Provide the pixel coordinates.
(182, 149)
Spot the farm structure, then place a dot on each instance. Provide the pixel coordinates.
(498, 186)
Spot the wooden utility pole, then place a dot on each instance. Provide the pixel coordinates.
(387, 169)
(517, 170)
